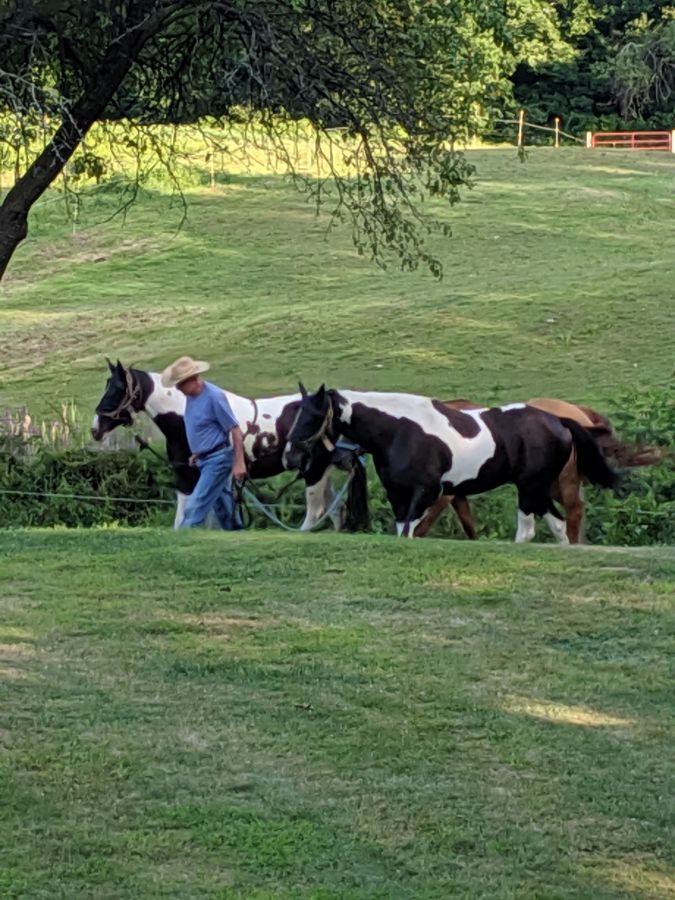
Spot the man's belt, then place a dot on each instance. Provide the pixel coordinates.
(223, 445)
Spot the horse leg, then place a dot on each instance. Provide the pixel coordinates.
(318, 498)
(422, 528)
(181, 500)
(525, 529)
(571, 496)
(557, 524)
(423, 500)
(533, 500)
(465, 516)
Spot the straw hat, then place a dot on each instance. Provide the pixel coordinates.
(185, 367)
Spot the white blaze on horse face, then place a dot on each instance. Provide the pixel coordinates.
(558, 528)
(525, 531)
(468, 453)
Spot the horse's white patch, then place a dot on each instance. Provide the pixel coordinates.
(162, 400)
(558, 528)
(319, 497)
(525, 530)
(509, 406)
(468, 453)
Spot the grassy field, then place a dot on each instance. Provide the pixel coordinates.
(558, 280)
(264, 716)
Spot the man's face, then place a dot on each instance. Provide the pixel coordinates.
(191, 386)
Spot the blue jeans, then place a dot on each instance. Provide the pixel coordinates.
(213, 492)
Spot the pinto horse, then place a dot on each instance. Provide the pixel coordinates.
(568, 489)
(265, 425)
(424, 450)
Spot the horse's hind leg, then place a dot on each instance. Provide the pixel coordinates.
(557, 524)
(465, 516)
(533, 500)
(525, 529)
(571, 496)
(412, 515)
(432, 514)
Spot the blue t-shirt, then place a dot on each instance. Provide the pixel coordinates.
(208, 419)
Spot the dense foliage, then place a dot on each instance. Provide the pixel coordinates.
(608, 64)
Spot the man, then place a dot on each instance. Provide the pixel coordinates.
(215, 441)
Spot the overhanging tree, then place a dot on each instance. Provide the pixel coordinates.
(406, 81)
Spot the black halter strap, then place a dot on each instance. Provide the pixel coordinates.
(322, 433)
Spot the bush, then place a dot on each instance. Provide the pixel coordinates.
(46, 480)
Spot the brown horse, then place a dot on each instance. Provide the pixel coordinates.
(568, 489)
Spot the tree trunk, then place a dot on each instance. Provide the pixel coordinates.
(117, 61)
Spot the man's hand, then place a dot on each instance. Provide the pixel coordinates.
(192, 461)
(239, 470)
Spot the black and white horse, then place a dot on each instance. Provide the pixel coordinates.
(265, 425)
(424, 451)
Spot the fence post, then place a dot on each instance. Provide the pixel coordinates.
(672, 141)
(589, 140)
(557, 131)
(521, 123)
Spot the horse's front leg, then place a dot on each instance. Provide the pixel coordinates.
(423, 503)
(319, 497)
(181, 500)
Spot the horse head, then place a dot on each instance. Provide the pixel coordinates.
(118, 403)
(314, 432)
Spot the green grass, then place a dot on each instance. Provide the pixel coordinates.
(558, 280)
(258, 715)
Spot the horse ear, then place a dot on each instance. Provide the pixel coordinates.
(120, 367)
(110, 365)
(320, 393)
(303, 390)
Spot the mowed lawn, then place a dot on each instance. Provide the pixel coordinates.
(269, 716)
(558, 281)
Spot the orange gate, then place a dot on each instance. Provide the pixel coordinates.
(632, 140)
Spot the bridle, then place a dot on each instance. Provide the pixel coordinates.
(126, 404)
(321, 434)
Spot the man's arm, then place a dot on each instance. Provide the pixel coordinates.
(239, 467)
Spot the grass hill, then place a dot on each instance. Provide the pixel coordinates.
(558, 280)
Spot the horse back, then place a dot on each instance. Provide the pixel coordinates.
(583, 415)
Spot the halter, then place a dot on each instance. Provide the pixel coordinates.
(132, 393)
(321, 434)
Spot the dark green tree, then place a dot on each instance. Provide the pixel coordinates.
(575, 72)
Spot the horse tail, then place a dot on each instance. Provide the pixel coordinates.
(357, 512)
(629, 456)
(590, 458)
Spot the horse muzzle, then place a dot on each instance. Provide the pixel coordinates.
(294, 458)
